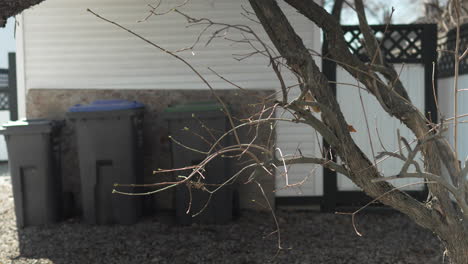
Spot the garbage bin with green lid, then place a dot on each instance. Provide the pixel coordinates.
(110, 142)
(197, 125)
(34, 152)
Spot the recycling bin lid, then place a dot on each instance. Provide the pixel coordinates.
(106, 105)
(26, 126)
(195, 107)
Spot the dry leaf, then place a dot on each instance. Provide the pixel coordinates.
(308, 97)
(351, 129)
(316, 109)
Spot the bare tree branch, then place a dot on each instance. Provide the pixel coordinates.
(394, 99)
(292, 49)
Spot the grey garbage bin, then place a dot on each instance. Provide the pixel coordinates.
(110, 141)
(34, 151)
(189, 124)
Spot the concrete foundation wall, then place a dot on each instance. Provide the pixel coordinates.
(53, 103)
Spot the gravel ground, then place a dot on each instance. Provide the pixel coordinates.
(308, 237)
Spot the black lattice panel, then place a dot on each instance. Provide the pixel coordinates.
(445, 63)
(399, 44)
(4, 104)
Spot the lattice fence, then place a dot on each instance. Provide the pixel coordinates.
(446, 47)
(4, 92)
(415, 43)
(399, 44)
(4, 102)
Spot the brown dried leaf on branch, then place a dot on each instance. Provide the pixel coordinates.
(351, 129)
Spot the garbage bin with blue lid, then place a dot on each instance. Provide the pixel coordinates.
(110, 144)
(197, 125)
(34, 159)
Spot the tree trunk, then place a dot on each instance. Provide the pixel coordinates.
(457, 248)
(9, 8)
(441, 216)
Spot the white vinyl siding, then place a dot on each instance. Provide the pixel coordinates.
(68, 47)
(4, 118)
(294, 139)
(65, 47)
(3, 80)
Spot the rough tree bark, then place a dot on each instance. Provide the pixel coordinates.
(9, 8)
(439, 213)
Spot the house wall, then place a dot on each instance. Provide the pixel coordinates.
(298, 180)
(70, 56)
(66, 47)
(4, 118)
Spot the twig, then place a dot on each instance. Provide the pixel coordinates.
(353, 215)
(456, 73)
(226, 109)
